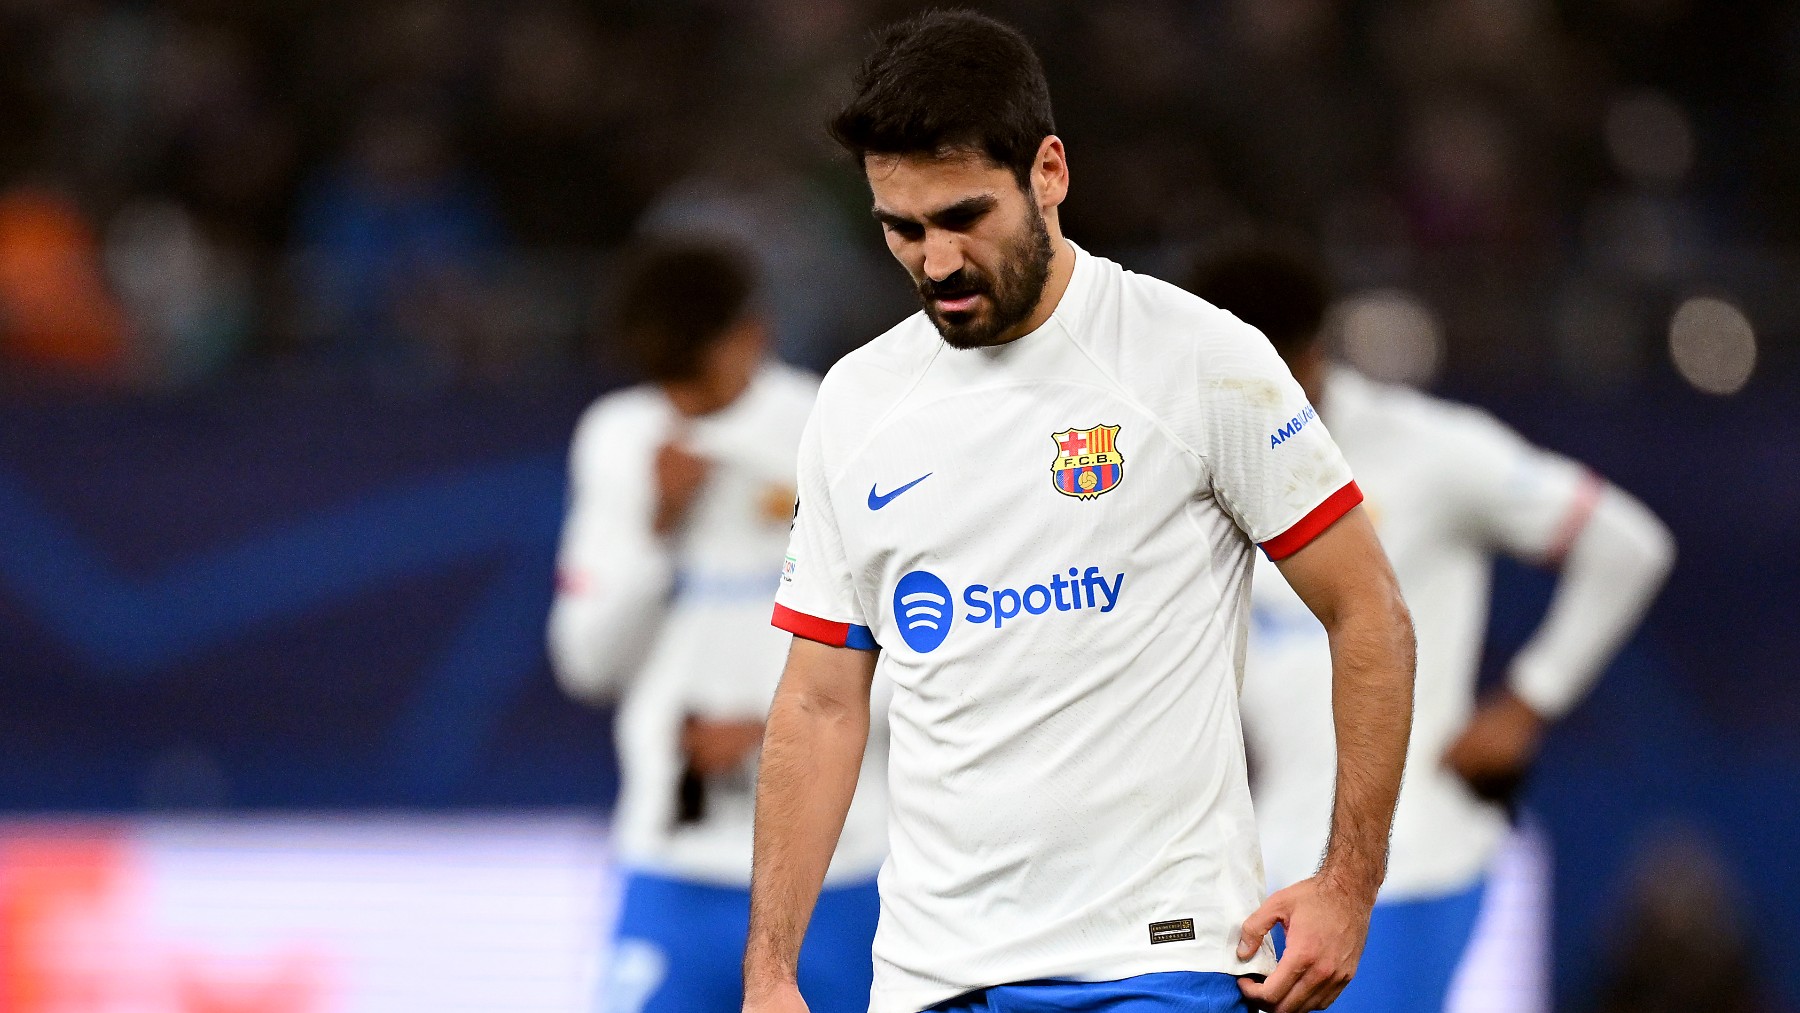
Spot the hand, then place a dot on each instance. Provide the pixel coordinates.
(1326, 928)
(1497, 745)
(784, 998)
(679, 476)
(714, 747)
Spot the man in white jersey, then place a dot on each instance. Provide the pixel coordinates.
(1033, 507)
(1448, 488)
(681, 495)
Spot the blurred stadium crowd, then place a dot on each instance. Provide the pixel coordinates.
(432, 188)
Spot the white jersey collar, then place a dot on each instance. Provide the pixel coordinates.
(1069, 314)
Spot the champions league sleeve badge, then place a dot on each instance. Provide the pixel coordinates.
(1088, 462)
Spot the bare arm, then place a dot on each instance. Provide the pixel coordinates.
(812, 750)
(1344, 578)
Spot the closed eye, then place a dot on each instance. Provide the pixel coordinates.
(904, 229)
(957, 217)
(965, 213)
(960, 219)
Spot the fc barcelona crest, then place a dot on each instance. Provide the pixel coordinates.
(1088, 462)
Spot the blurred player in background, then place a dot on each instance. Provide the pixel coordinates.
(1448, 488)
(682, 494)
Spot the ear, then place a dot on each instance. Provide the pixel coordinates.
(1050, 173)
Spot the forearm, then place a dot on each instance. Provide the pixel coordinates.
(1345, 579)
(1372, 656)
(595, 643)
(812, 752)
(610, 603)
(1609, 577)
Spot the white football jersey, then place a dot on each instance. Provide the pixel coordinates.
(1447, 487)
(679, 626)
(1050, 543)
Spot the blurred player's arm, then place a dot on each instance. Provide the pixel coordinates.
(1614, 556)
(812, 752)
(1345, 579)
(613, 570)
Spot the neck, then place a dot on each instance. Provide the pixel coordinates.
(695, 398)
(1062, 269)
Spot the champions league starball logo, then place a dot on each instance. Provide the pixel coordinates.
(922, 610)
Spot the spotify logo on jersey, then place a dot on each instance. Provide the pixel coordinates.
(922, 610)
(924, 606)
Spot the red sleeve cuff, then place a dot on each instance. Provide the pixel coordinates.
(1313, 524)
(824, 631)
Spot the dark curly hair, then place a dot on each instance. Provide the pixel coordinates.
(949, 80)
(676, 299)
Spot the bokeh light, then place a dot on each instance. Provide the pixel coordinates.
(1712, 345)
(1391, 335)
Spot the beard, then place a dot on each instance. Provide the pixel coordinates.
(1011, 294)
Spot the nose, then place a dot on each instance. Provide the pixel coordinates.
(943, 256)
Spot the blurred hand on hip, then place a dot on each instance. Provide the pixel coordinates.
(714, 747)
(1497, 745)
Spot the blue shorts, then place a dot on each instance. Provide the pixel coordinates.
(1165, 992)
(679, 948)
(1413, 951)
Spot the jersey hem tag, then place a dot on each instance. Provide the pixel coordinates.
(1178, 930)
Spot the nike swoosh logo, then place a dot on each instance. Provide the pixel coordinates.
(877, 500)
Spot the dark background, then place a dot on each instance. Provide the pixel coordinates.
(299, 302)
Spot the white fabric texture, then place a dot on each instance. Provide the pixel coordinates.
(1448, 488)
(679, 626)
(1067, 763)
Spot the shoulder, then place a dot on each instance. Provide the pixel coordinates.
(1453, 420)
(1460, 435)
(1175, 322)
(1157, 336)
(1188, 363)
(785, 392)
(1173, 310)
(789, 381)
(616, 417)
(1164, 301)
(1204, 354)
(866, 383)
(896, 356)
(636, 405)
